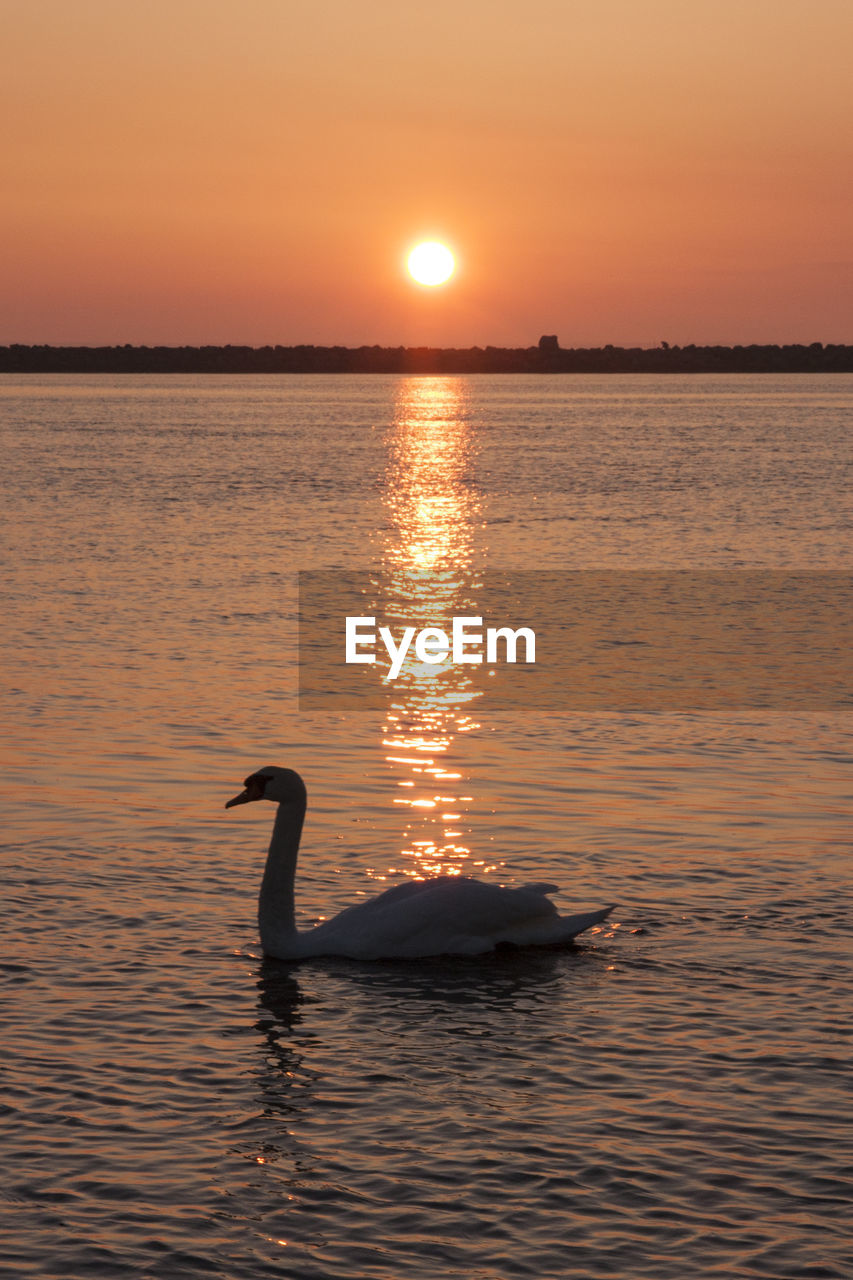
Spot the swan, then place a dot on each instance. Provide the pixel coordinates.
(446, 915)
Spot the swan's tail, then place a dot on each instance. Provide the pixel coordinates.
(554, 931)
(573, 925)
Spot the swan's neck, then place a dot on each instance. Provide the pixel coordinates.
(276, 921)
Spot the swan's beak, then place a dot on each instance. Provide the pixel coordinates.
(243, 798)
(254, 791)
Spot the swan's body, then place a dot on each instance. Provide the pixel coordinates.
(447, 915)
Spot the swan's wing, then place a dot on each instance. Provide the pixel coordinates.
(444, 916)
(463, 903)
(483, 909)
(397, 892)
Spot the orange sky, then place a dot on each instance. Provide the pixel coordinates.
(206, 171)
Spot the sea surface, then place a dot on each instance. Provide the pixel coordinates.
(667, 1099)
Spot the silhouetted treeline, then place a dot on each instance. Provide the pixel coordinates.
(547, 357)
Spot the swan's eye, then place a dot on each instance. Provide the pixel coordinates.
(258, 780)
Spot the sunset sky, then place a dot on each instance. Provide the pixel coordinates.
(206, 171)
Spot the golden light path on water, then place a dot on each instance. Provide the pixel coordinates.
(430, 575)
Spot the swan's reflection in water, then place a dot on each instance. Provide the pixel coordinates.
(285, 1081)
(509, 981)
(364, 1067)
(430, 561)
(280, 998)
(467, 990)
(280, 1001)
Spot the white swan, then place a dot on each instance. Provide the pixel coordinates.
(447, 915)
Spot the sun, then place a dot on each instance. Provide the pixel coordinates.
(431, 263)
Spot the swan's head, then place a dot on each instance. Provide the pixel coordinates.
(283, 786)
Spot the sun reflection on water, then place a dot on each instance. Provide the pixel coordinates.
(429, 563)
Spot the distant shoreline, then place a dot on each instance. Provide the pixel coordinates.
(546, 357)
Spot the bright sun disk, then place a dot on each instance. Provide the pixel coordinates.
(431, 263)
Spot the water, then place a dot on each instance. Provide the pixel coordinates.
(666, 1100)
